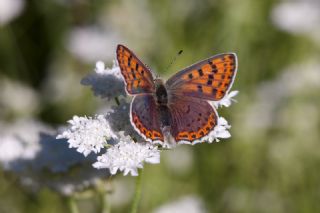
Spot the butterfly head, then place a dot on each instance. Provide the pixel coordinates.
(158, 82)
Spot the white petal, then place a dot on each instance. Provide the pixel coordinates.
(100, 67)
(224, 134)
(233, 93)
(226, 100)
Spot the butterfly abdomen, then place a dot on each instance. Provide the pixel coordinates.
(165, 115)
(161, 97)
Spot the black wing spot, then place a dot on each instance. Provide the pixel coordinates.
(129, 60)
(213, 66)
(190, 76)
(133, 74)
(214, 91)
(200, 72)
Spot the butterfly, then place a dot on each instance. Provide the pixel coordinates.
(178, 107)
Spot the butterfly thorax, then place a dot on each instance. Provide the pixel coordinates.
(161, 93)
(161, 99)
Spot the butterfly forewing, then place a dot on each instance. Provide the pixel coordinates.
(137, 76)
(192, 118)
(209, 79)
(145, 117)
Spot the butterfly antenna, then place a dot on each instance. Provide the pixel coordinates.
(173, 60)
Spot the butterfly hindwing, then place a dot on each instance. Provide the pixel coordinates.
(192, 118)
(209, 79)
(137, 76)
(145, 117)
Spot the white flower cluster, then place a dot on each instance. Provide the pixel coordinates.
(106, 83)
(220, 131)
(128, 157)
(29, 150)
(88, 134)
(92, 134)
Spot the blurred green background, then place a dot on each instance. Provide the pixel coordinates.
(272, 161)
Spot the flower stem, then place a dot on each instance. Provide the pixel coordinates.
(72, 205)
(105, 205)
(117, 101)
(137, 194)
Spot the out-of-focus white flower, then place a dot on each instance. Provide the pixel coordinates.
(124, 191)
(190, 204)
(91, 44)
(179, 161)
(61, 83)
(298, 17)
(105, 82)
(226, 100)
(237, 199)
(10, 149)
(128, 157)
(17, 99)
(88, 134)
(139, 12)
(10, 9)
(29, 150)
(17, 141)
(270, 96)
